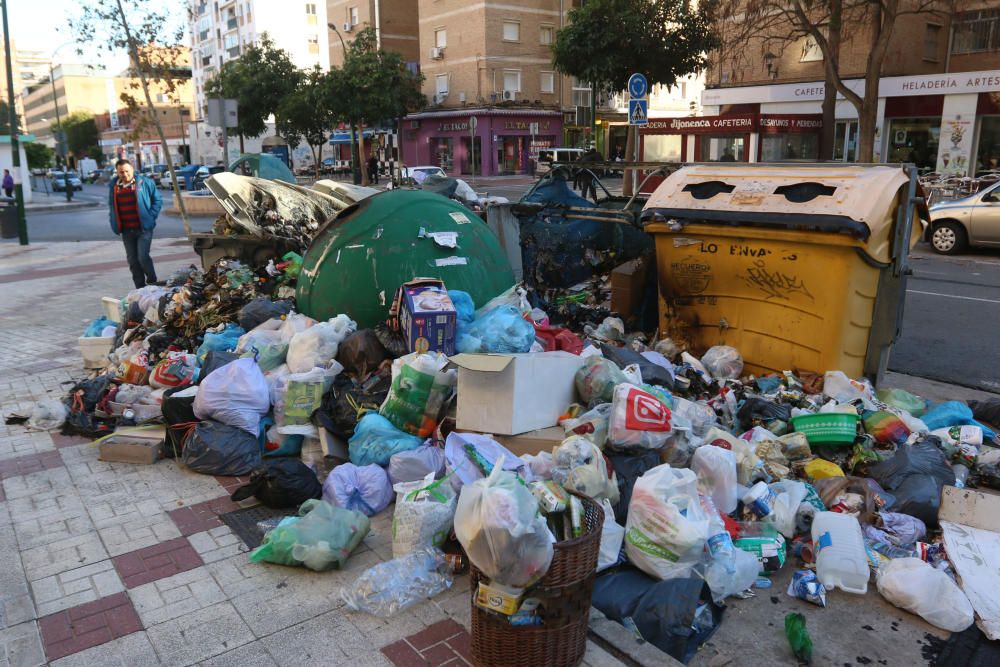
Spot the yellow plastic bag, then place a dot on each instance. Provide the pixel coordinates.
(821, 469)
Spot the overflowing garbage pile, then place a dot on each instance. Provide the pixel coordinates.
(498, 437)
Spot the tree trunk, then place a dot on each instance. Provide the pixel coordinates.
(828, 135)
(133, 48)
(630, 142)
(361, 155)
(318, 159)
(242, 149)
(355, 175)
(883, 18)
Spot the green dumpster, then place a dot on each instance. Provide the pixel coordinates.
(357, 261)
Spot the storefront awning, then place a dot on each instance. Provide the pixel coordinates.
(338, 138)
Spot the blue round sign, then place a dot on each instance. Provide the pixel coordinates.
(637, 86)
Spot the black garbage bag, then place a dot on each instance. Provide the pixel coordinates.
(361, 353)
(987, 411)
(630, 466)
(88, 393)
(756, 411)
(915, 475)
(219, 449)
(651, 373)
(392, 341)
(261, 310)
(214, 360)
(348, 397)
(178, 414)
(676, 616)
(281, 483)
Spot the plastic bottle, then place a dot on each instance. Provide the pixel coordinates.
(798, 637)
(961, 474)
(841, 560)
(892, 551)
(719, 542)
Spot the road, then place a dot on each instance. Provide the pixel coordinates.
(951, 313)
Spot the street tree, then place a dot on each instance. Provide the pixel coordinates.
(39, 155)
(373, 86)
(752, 28)
(306, 114)
(153, 44)
(606, 41)
(259, 80)
(80, 132)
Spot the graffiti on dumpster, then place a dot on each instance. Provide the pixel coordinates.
(774, 284)
(691, 276)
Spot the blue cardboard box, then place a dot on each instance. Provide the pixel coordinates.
(427, 317)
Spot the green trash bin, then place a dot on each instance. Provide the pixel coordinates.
(8, 218)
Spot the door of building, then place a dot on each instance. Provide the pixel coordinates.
(845, 141)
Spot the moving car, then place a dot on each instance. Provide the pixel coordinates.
(970, 221)
(418, 174)
(58, 181)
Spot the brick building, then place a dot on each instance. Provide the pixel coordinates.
(939, 96)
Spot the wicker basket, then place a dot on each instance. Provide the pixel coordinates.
(564, 592)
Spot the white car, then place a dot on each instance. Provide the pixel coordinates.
(418, 174)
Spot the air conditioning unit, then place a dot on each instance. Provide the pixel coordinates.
(348, 26)
(509, 95)
(461, 98)
(437, 53)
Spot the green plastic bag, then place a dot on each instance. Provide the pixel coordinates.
(320, 538)
(902, 400)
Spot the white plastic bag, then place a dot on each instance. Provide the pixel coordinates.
(539, 464)
(499, 526)
(716, 470)
(723, 362)
(235, 394)
(297, 395)
(789, 494)
(267, 343)
(423, 517)
(414, 464)
(667, 527)
(592, 424)
(488, 449)
(747, 462)
(729, 576)
(47, 414)
(318, 344)
(916, 586)
(363, 489)
(638, 419)
(843, 389)
(611, 538)
(579, 465)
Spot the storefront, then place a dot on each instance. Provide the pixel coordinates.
(698, 139)
(484, 142)
(947, 123)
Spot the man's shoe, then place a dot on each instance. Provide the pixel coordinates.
(158, 283)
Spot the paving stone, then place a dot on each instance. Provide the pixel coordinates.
(199, 635)
(26, 444)
(202, 516)
(52, 480)
(16, 606)
(38, 532)
(156, 562)
(138, 532)
(318, 641)
(62, 555)
(217, 544)
(166, 599)
(132, 650)
(59, 440)
(249, 655)
(21, 646)
(75, 587)
(88, 625)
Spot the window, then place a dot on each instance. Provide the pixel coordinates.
(313, 42)
(512, 80)
(546, 34)
(932, 40)
(230, 41)
(352, 16)
(547, 81)
(511, 31)
(975, 32)
(581, 93)
(311, 8)
(662, 147)
(440, 38)
(441, 84)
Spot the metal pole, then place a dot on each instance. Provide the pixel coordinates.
(61, 130)
(15, 147)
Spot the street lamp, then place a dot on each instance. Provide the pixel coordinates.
(61, 130)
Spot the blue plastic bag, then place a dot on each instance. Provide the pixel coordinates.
(96, 328)
(464, 306)
(502, 329)
(222, 341)
(375, 440)
(953, 413)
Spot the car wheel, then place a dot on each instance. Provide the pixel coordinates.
(948, 238)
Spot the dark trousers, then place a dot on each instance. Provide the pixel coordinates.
(137, 243)
(9, 192)
(373, 175)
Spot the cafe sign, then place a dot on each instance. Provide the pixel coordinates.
(732, 124)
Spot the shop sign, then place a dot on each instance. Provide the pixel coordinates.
(459, 126)
(790, 124)
(735, 123)
(524, 125)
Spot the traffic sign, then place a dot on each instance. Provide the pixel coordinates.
(637, 86)
(638, 112)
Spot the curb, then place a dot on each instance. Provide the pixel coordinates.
(625, 646)
(42, 208)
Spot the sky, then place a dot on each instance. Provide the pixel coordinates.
(44, 25)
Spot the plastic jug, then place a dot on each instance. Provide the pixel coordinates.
(841, 560)
(716, 470)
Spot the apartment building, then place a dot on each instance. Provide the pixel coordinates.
(73, 88)
(395, 23)
(28, 67)
(938, 99)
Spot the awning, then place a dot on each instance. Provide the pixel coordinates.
(345, 137)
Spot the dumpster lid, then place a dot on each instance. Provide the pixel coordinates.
(858, 200)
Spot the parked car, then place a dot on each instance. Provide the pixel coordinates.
(548, 156)
(973, 220)
(200, 176)
(418, 174)
(58, 181)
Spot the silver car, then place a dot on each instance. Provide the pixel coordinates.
(970, 221)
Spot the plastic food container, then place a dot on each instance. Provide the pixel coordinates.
(828, 428)
(839, 549)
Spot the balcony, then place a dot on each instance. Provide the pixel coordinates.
(976, 32)
(232, 23)
(234, 52)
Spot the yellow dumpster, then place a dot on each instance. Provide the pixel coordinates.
(797, 266)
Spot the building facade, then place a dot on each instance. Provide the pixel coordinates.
(28, 68)
(395, 23)
(938, 97)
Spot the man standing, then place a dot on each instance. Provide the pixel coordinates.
(373, 170)
(135, 203)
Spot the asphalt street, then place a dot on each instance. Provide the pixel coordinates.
(951, 314)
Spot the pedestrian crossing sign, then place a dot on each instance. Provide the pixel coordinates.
(638, 112)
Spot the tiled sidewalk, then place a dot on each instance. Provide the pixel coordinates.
(119, 564)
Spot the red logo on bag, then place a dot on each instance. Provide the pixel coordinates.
(645, 413)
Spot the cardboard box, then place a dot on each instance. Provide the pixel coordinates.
(427, 317)
(95, 350)
(533, 442)
(509, 394)
(628, 283)
(970, 521)
(133, 446)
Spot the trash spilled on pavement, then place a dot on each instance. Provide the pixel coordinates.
(570, 459)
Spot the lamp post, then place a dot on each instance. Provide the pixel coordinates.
(15, 147)
(55, 103)
(184, 111)
(355, 171)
